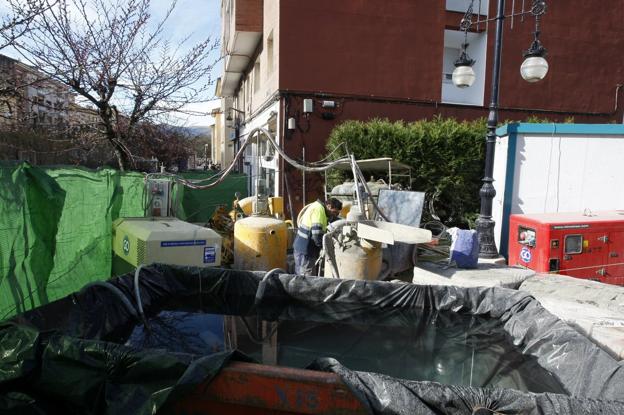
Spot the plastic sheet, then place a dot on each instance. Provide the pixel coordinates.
(56, 224)
(61, 355)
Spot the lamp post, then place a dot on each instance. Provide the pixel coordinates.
(206, 156)
(533, 69)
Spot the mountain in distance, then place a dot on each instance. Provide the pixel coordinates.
(196, 131)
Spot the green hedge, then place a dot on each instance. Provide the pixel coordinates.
(447, 158)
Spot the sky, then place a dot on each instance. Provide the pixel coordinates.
(197, 18)
(201, 18)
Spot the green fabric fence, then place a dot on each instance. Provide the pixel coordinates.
(56, 224)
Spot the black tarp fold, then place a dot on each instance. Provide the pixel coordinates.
(60, 356)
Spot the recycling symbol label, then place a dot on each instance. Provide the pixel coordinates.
(525, 254)
(126, 245)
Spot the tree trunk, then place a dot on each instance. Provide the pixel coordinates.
(121, 162)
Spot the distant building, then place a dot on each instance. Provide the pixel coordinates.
(370, 58)
(84, 117)
(28, 98)
(222, 146)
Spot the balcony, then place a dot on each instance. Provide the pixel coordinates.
(242, 32)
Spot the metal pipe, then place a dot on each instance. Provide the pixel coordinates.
(358, 195)
(485, 224)
(372, 199)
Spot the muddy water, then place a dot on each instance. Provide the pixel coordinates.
(448, 348)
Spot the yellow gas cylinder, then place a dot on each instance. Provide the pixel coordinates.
(260, 243)
(246, 205)
(346, 207)
(276, 206)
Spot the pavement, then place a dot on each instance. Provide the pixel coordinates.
(594, 309)
(487, 274)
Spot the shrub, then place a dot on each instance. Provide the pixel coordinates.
(446, 156)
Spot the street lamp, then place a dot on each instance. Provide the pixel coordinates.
(229, 117)
(533, 69)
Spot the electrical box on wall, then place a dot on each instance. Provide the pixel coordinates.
(588, 246)
(308, 106)
(292, 124)
(159, 197)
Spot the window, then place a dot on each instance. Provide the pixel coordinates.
(573, 244)
(477, 43)
(526, 236)
(256, 77)
(270, 54)
(450, 56)
(480, 6)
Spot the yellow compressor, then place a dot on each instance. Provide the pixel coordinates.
(261, 240)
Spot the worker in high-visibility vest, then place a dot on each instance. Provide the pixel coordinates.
(312, 225)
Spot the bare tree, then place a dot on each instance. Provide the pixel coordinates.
(14, 25)
(110, 54)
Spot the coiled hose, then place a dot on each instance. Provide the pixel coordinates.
(137, 295)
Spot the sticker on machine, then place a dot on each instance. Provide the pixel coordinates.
(525, 254)
(210, 255)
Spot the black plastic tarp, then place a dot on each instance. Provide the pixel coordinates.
(61, 356)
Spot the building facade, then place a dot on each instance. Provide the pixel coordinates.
(30, 99)
(361, 59)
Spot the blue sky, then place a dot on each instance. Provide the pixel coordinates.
(201, 18)
(198, 18)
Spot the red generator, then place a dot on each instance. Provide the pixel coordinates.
(581, 245)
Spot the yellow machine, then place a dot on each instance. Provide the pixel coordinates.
(166, 240)
(245, 206)
(261, 240)
(260, 243)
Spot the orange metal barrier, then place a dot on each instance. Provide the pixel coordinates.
(247, 388)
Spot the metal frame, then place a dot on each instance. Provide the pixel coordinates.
(378, 164)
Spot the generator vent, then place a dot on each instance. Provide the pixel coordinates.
(141, 247)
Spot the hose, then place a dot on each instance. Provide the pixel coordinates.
(127, 304)
(329, 253)
(370, 196)
(137, 294)
(262, 285)
(224, 173)
(291, 161)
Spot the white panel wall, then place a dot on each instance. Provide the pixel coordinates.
(500, 170)
(559, 173)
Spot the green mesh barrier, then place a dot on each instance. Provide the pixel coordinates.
(56, 224)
